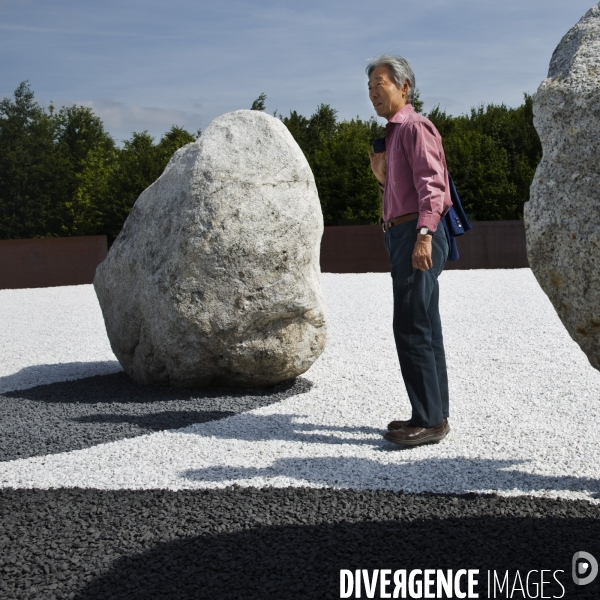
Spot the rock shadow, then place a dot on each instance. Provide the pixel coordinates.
(160, 421)
(72, 415)
(121, 389)
(39, 375)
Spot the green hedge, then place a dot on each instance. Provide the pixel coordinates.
(492, 154)
(61, 173)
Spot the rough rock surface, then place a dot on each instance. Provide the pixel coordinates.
(215, 277)
(562, 218)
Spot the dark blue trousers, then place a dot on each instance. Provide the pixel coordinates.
(417, 324)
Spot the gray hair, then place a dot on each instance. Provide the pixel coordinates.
(401, 71)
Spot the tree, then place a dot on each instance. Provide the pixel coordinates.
(259, 103)
(95, 195)
(173, 140)
(492, 154)
(62, 174)
(42, 154)
(30, 168)
(114, 180)
(338, 156)
(417, 103)
(80, 136)
(481, 169)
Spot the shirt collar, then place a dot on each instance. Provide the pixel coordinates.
(402, 114)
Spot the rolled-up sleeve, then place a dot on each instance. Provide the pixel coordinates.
(425, 155)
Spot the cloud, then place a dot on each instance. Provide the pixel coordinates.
(148, 64)
(445, 103)
(79, 32)
(123, 119)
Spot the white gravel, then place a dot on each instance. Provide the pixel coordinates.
(51, 334)
(524, 400)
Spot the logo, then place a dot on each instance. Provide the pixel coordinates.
(585, 568)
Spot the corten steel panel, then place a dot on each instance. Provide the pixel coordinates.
(492, 245)
(50, 262)
(354, 249)
(360, 248)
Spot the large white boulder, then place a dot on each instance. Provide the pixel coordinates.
(215, 277)
(562, 218)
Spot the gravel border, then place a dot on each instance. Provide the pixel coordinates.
(273, 543)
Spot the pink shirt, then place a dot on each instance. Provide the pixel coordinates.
(417, 176)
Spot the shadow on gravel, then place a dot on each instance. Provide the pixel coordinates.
(120, 388)
(72, 415)
(438, 475)
(305, 561)
(286, 429)
(46, 374)
(168, 419)
(290, 428)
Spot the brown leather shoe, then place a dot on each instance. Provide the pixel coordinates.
(395, 425)
(415, 436)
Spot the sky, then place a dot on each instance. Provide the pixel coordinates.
(148, 65)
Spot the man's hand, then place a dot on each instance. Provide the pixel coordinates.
(421, 258)
(378, 165)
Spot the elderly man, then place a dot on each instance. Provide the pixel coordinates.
(416, 194)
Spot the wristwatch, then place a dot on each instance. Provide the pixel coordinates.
(424, 231)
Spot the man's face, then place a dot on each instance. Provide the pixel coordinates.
(387, 99)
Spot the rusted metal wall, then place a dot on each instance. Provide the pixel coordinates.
(492, 245)
(50, 262)
(354, 249)
(344, 249)
(360, 248)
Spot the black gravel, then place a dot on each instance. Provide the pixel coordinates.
(274, 543)
(73, 415)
